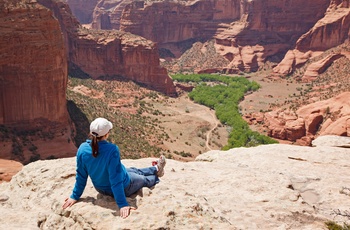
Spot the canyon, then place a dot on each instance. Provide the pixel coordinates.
(297, 50)
(40, 41)
(241, 37)
(111, 53)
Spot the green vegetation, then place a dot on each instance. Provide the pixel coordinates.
(223, 93)
(22, 141)
(331, 225)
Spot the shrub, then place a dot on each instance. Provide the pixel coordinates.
(224, 96)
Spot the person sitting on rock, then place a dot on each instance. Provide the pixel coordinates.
(100, 160)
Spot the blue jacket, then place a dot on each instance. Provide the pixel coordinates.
(106, 171)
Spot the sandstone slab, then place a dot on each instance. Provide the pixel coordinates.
(265, 187)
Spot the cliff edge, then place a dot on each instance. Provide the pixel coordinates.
(265, 187)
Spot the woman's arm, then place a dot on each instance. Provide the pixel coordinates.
(117, 177)
(80, 178)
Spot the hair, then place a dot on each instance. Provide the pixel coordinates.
(94, 144)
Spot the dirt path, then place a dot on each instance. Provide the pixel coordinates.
(210, 131)
(190, 127)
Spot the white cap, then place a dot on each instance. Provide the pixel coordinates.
(100, 127)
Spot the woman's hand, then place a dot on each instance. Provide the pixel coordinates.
(125, 211)
(68, 202)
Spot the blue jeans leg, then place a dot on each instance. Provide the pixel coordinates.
(139, 178)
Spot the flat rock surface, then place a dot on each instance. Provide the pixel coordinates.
(266, 187)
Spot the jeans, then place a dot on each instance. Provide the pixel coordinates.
(139, 178)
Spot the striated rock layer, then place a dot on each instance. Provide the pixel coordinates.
(33, 81)
(33, 64)
(107, 14)
(246, 33)
(111, 53)
(265, 187)
(330, 31)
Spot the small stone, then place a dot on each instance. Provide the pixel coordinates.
(3, 198)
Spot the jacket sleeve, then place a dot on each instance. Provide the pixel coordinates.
(80, 178)
(116, 177)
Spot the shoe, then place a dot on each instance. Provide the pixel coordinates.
(161, 164)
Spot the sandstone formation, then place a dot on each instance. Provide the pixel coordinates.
(316, 68)
(33, 64)
(82, 9)
(265, 187)
(107, 14)
(8, 169)
(33, 81)
(111, 53)
(246, 33)
(329, 117)
(330, 31)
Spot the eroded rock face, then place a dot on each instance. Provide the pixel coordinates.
(330, 31)
(329, 117)
(111, 53)
(83, 9)
(316, 68)
(33, 64)
(246, 32)
(33, 82)
(171, 22)
(107, 14)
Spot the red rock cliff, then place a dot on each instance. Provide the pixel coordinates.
(246, 32)
(108, 19)
(33, 81)
(83, 9)
(33, 64)
(111, 53)
(330, 31)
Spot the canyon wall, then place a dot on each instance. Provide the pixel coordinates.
(33, 64)
(169, 22)
(107, 14)
(83, 9)
(33, 81)
(111, 53)
(246, 33)
(330, 31)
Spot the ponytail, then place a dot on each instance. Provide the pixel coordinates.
(94, 144)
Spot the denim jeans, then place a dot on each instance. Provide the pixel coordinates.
(139, 178)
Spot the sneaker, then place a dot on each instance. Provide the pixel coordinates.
(161, 164)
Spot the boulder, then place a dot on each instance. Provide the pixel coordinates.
(328, 117)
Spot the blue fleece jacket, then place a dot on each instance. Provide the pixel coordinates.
(106, 171)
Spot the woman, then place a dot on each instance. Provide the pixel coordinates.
(100, 160)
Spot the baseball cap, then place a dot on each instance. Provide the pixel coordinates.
(100, 127)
